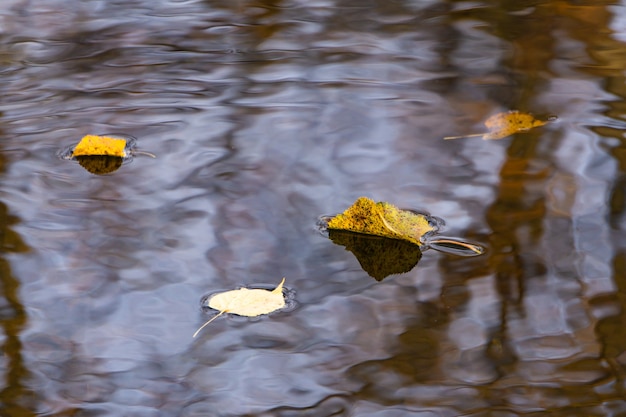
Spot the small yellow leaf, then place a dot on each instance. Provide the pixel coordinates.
(91, 145)
(382, 219)
(506, 124)
(247, 302)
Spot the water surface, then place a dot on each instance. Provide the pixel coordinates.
(265, 115)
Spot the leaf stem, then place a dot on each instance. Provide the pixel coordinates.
(205, 324)
(474, 248)
(473, 135)
(151, 155)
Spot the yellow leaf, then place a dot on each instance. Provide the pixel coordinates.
(383, 219)
(246, 302)
(249, 302)
(506, 124)
(91, 145)
(502, 125)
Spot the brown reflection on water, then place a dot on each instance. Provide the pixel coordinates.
(535, 248)
(15, 395)
(521, 215)
(610, 307)
(609, 61)
(518, 211)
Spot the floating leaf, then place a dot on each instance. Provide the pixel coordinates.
(102, 154)
(91, 145)
(246, 302)
(384, 219)
(249, 302)
(506, 124)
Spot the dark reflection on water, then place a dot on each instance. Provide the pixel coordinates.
(265, 115)
(378, 256)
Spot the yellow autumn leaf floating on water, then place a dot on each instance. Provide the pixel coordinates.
(102, 154)
(93, 145)
(246, 302)
(506, 124)
(383, 219)
(386, 220)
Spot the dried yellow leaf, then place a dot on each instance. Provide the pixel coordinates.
(382, 219)
(506, 124)
(246, 302)
(249, 302)
(92, 145)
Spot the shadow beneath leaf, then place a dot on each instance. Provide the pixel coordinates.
(100, 164)
(378, 256)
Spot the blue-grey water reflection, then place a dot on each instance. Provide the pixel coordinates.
(265, 115)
